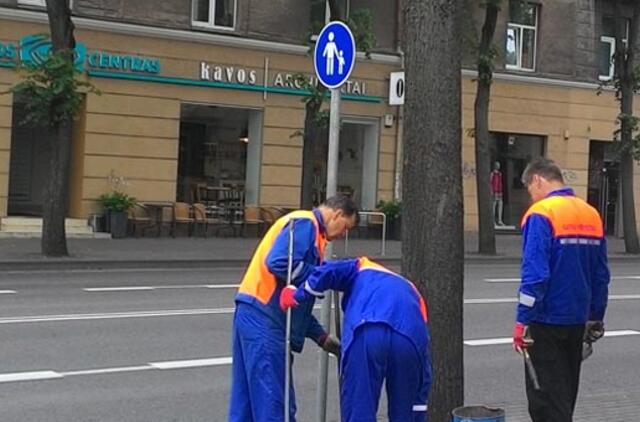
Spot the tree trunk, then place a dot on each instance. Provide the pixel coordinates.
(56, 192)
(624, 68)
(54, 242)
(432, 232)
(486, 231)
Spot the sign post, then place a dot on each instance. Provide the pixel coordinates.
(333, 59)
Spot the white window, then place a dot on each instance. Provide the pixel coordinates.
(522, 39)
(39, 3)
(219, 14)
(606, 65)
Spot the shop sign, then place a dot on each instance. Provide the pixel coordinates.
(35, 49)
(245, 76)
(8, 51)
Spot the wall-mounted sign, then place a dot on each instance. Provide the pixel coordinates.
(396, 88)
(35, 49)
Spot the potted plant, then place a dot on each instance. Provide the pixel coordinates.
(116, 205)
(393, 210)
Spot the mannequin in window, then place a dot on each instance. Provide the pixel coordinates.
(496, 192)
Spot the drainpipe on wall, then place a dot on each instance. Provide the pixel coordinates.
(397, 185)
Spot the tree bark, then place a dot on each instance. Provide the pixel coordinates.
(624, 68)
(56, 192)
(432, 229)
(486, 231)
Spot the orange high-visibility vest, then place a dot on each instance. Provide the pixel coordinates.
(366, 264)
(258, 281)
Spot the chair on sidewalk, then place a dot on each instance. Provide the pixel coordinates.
(182, 215)
(252, 217)
(139, 216)
(202, 218)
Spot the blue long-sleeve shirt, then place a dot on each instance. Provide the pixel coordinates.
(565, 275)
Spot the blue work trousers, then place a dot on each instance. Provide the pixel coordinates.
(376, 354)
(258, 371)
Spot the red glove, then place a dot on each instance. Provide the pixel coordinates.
(521, 339)
(286, 298)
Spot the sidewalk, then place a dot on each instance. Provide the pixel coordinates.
(220, 252)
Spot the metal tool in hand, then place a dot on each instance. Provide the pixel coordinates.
(287, 370)
(531, 369)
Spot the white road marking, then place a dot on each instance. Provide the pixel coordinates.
(517, 280)
(115, 315)
(508, 340)
(29, 376)
(106, 371)
(194, 363)
(7, 292)
(126, 270)
(488, 301)
(176, 364)
(146, 288)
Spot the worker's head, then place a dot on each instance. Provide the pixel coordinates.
(340, 214)
(542, 177)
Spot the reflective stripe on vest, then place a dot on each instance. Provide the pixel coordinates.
(570, 217)
(366, 264)
(258, 281)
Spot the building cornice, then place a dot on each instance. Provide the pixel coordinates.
(30, 16)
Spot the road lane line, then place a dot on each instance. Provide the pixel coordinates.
(29, 376)
(106, 370)
(508, 340)
(7, 292)
(487, 301)
(194, 363)
(146, 288)
(115, 315)
(116, 289)
(517, 280)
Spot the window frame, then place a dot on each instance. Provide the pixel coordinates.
(611, 40)
(327, 15)
(32, 3)
(211, 23)
(519, 27)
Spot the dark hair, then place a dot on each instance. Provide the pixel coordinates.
(542, 167)
(344, 204)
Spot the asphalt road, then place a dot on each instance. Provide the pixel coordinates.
(155, 346)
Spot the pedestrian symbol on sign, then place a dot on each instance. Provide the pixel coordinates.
(334, 54)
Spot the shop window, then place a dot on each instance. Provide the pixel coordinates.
(510, 154)
(607, 48)
(522, 38)
(218, 155)
(219, 14)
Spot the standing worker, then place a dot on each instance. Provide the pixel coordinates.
(258, 372)
(385, 338)
(564, 289)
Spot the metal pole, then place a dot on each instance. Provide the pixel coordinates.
(287, 368)
(332, 187)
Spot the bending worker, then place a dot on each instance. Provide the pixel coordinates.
(258, 371)
(564, 288)
(385, 338)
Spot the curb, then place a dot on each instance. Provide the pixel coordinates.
(62, 264)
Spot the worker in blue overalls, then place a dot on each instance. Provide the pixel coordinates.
(258, 369)
(385, 338)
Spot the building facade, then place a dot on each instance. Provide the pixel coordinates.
(204, 93)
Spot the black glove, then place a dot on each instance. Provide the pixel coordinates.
(330, 344)
(593, 331)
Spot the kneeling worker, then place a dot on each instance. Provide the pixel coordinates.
(385, 338)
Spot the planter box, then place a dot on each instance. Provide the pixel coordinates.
(118, 224)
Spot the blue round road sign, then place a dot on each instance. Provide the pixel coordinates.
(335, 54)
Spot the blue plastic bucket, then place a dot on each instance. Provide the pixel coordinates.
(478, 413)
